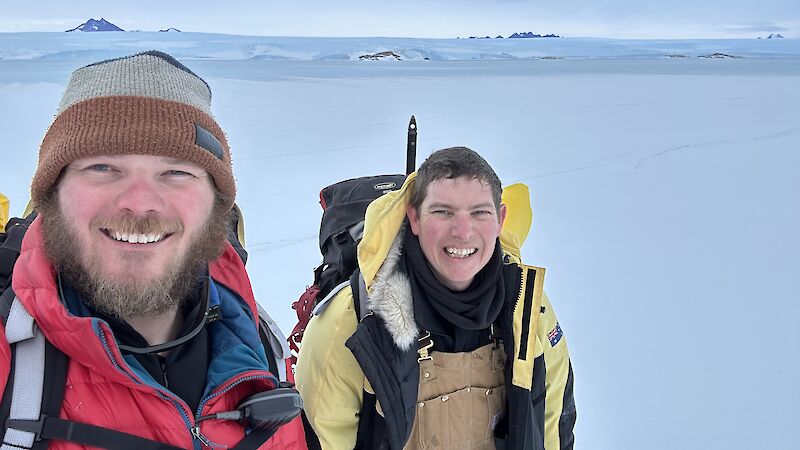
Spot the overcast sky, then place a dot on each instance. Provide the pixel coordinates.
(422, 18)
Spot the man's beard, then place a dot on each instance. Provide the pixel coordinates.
(116, 297)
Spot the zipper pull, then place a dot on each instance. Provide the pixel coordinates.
(204, 440)
(199, 436)
(163, 361)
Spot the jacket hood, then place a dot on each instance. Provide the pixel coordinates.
(380, 249)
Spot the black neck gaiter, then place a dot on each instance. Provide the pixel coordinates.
(462, 317)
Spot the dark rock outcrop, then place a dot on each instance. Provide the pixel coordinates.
(380, 56)
(529, 35)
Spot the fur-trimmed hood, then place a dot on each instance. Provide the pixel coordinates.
(390, 297)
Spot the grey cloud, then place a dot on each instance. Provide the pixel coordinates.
(755, 28)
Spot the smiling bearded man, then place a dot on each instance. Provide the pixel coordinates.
(128, 274)
(127, 295)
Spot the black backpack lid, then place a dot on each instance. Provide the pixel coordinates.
(345, 203)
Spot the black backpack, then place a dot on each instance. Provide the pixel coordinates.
(344, 205)
(10, 247)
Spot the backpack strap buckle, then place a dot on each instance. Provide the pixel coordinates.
(32, 426)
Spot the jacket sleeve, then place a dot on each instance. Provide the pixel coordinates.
(328, 377)
(559, 415)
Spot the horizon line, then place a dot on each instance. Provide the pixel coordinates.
(766, 36)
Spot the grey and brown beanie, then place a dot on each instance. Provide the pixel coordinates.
(149, 104)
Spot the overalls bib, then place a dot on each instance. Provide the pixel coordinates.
(461, 398)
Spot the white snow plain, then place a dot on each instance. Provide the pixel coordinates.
(665, 193)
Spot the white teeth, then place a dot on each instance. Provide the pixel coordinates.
(460, 252)
(135, 238)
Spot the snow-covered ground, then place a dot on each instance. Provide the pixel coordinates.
(665, 193)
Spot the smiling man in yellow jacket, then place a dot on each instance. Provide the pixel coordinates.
(456, 345)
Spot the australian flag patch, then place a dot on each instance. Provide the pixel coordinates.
(555, 335)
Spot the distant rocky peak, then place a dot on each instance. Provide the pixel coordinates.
(530, 35)
(96, 25)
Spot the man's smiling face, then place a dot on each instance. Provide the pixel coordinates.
(132, 231)
(134, 216)
(457, 225)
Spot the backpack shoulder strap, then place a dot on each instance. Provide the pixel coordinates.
(28, 367)
(322, 305)
(275, 343)
(56, 364)
(6, 300)
(360, 295)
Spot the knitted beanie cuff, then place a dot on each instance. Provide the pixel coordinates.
(134, 125)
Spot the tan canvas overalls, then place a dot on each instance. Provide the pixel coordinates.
(461, 398)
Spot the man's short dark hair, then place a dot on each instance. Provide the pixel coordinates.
(455, 162)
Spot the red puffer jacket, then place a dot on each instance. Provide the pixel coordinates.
(103, 390)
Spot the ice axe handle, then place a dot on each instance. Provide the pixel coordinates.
(411, 147)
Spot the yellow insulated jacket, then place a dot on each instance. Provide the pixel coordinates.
(359, 379)
(3, 212)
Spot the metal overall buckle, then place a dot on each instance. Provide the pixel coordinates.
(424, 344)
